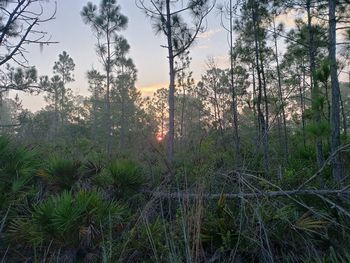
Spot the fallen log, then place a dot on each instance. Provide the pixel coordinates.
(260, 194)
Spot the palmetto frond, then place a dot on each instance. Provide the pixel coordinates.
(125, 177)
(62, 173)
(73, 219)
(17, 169)
(308, 223)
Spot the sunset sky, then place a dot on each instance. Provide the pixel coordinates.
(150, 58)
(77, 39)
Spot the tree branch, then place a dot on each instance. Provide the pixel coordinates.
(260, 194)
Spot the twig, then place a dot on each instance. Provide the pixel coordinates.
(183, 195)
(334, 205)
(325, 164)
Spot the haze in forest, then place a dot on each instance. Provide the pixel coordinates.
(175, 131)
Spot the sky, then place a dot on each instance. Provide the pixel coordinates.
(149, 57)
(77, 39)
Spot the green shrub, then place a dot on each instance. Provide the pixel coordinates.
(18, 166)
(123, 176)
(69, 221)
(61, 173)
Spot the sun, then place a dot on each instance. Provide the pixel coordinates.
(160, 137)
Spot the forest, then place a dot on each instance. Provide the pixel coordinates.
(248, 163)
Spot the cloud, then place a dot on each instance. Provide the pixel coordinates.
(150, 89)
(288, 19)
(208, 34)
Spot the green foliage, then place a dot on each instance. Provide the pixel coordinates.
(71, 221)
(324, 72)
(318, 104)
(150, 241)
(223, 231)
(124, 176)
(92, 167)
(249, 194)
(320, 129)
(18, 166)
(79, 224)
(61, 173)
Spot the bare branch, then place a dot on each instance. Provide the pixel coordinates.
(242, 195)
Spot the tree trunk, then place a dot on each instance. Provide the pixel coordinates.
(266, 102)
(108, 99)
(302, 102)
(345, 125)
(94, 116)
(63, 99)
(233, 88)
(280, 93)
(335, 115)
(56, 113)
(314, 84)
(182, 111)
(257, 127)
(261, 118)
(265, 132)
(171, 133)
(343, 117)
(123, 120)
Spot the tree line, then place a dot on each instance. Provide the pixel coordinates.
(248, 163)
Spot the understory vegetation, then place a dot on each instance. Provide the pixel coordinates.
(249, 162)
(59, 208)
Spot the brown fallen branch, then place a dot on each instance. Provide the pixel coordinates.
(183, 195)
